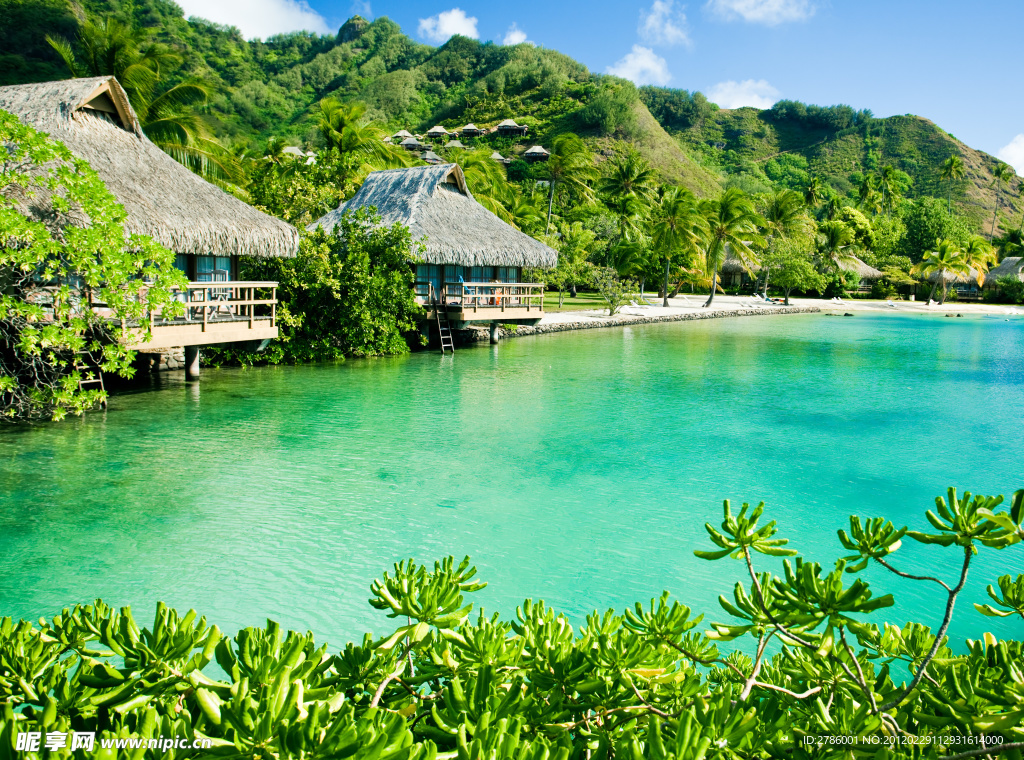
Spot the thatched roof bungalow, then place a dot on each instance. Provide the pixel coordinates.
(432, 158)
(496, 156)
(470, 253)
(1011, 266)
(437, 132)
(401, 135)
(509, 128)
(471, 130)
(207, 227)
(454, 144)
(537, 153)
(865, 272)
(411, 143)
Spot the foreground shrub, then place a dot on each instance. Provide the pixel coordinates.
(813, 677)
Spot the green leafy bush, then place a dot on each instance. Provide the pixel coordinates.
(814, 677)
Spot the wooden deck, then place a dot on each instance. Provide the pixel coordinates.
(506, 302)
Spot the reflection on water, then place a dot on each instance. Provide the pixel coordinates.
(577, 467)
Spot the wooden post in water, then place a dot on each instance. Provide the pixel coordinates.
(191, 362)
(494, 332)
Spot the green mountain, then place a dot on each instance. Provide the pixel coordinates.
(269, 88)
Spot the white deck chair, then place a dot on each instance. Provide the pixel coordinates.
(636, 305)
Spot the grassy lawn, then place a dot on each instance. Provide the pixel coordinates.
(581, 302)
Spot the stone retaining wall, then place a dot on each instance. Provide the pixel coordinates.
(481, 334)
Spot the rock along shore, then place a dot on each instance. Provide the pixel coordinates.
(481, 334)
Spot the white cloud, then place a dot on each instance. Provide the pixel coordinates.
(642, 66)
(660, 26)
(1013, 154)
(515, 36)
(258, 18)
(750, 92)
(447, 23)
(768, 12)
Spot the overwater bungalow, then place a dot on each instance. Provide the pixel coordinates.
(207, 228)
(536, 153)
(437, 132)
(472, 266)
(509, 128)
(470, 130)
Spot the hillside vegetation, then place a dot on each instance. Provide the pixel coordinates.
(270, 88)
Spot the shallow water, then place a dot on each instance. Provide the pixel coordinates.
(578, 468)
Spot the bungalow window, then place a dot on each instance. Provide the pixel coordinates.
(181, 263)
(427, 275)
(480, 274)
(213, 268)
(507, 274)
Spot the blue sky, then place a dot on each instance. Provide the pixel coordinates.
(955, 63)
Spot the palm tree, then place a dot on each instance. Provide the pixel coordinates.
(1010, 243)
(814, 193)
(570, 167)
(487, 181)
(630, 175)
(979, 255)
(870, 199)
(678, 228)
(169, 118)
(834, 241)
(360, 145)
(889, 184)
(1001, 175)
(784, 214)
(1020, 194)
(732, 226)
(952, 168)
(945, 262)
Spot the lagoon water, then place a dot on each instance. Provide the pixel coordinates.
(579, 468)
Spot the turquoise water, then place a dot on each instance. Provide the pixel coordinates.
(578, 467)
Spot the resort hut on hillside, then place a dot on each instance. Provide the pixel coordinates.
(867, 274)
(401, 135)
(432, 158)
(536, 153)
(496, 156)
(207, 228)
(454, 144)
(1011, 266)
(470, 130)
(437, 132)
(509, 128)
(473, 263)
(411, 143)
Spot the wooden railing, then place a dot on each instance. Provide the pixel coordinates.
(474, 296)
(230, 301)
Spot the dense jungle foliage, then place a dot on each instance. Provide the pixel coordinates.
(269, 88)
(798, 662)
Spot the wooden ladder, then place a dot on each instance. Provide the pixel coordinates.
(90, 373)
(444, 328)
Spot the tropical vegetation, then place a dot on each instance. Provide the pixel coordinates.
(802, 660)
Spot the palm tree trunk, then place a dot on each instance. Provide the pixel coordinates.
(767, 274)
(551, 200)
(665, 301)
(714, 284)
(995, 212)
(931, 295)
(945, 286)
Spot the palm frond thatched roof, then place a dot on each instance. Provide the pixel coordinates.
(403, 133)
(437, 129)
(862, 270)
(436, 205)
(454, 144)
(1011, 266)
(162, 198)
(537, 150)
(471, 127)
(508, 123)
(410, 141)
(951, 278)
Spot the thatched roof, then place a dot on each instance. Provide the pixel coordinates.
(163, 199)
(454, 144)
(1011, 266)
(437, 130)
(410, 142)
(862, 270)
(950, 278)
(431, 157)
(536, 150)
(403, 133)
(471, 128)
(508, 123)
(435, 203)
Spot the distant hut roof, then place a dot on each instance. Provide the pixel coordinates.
(862, 270)
(508, 123)
(409, 142)
(401, 133)
(454, 144)
(291, 150)
(949, 278)
(432, 158)
(437, 130)
(435, 203)
(1011, 266)
(733, 265)
(497, 156)
(537, 150)
(162, 198)
(471, 128)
